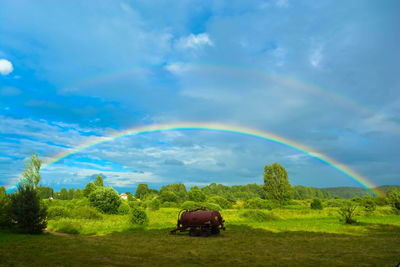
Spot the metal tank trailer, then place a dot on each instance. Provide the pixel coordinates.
(199, 222)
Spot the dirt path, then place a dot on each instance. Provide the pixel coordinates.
(55, 233)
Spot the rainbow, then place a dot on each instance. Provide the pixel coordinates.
(347, 171)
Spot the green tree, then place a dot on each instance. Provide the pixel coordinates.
(178, 189)
(316, 204)
(139, 216)
(196, 195)
(369, 205)
(98, 181)
(348, 211)
(28, 212)
(276, 183)
(141, 191)
(90, 187)
(106, 200)
(394, 198)
(71, 192)
(45, 192)
(77, 193)
(31, 175)
(64, 194)
(5, 208)
(168, 196)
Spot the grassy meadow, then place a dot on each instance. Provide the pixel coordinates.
(294, 234)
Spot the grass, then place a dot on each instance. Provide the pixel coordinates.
(287, 236)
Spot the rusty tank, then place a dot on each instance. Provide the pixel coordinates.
(200, 222)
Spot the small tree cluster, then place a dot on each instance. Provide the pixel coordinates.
(139, 216)
(348, 211)
(316, 204)
(394, 199)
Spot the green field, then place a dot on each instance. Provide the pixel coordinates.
(294, 235)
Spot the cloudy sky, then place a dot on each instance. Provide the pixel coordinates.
(321, 73)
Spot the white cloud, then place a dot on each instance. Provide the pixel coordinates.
(316, 56)
(177, 68)
(5, 67)
(194, 41)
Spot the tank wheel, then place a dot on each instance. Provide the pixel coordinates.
(206, 232)
(194, 231)
(215, 230)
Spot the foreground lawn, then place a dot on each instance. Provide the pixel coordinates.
(239, 245)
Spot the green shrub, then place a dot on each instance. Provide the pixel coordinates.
(77, 203)
(316, 204)
(28, 212)
(394, 199)
(258, 215)
(348, 211)
(139, 216)
(257, 203)
(222, 202)
(124, 208)
(154, 204)
(335, 203)
(106, 200)
(211, 206)
(5, 208)
(168, 196)
(86, 212)
(369, 205)
(357, 199)
(196, 195)
(57, 212)
(381, 201)
(169, 205)
(65, 226)
(189, 205)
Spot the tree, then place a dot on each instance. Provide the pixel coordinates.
(141, 190)
(179, 190)
(31, 175)
(348, 211)
(276, 183)
(90, 187)
(45, 192)
(98, 181)
(71, 192)
(64, 194)
(106, 200)
(5, 208)
(394, 198)
(316, 204)
(196, 195)
(28, 211)
(168, 196)
(77, 193)
(139, 216)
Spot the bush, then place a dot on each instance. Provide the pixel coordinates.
(189, 205)
(57, 212)
(381, 201)
(369, 205)
(394, 199)
(196, 195)
(335, 203)
(348, 211)
(316, 204)
(169, 205)
(139, 216)
(154, 204)
(28, 211)
(258, 215)
(5, 208)
(222, 202)
(65, 226)
(168, 196)
(106, 200)
(86, 212)
(124, 208)
(257, 203)
(211, 206)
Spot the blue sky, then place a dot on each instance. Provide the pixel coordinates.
(322, 73)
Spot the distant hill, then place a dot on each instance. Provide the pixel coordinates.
(348, 192)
